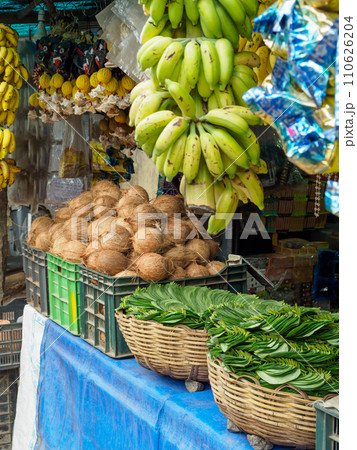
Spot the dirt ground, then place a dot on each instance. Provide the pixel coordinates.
(14, 286)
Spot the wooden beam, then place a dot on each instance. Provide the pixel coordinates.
(24, 12)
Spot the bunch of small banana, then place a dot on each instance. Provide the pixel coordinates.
(8, 170)
(211, 18)
(210, 65)
(7, 142)
(9, 102)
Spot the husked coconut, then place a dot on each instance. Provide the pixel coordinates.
(105, 187)
(201, 248)
(153, 267)
(215, 267)
(181, 256)
(119, 241)
(43, 242)
(196, 270)
(136, 192)
(179, 274)
(170, 204)
(213, 246)
(150, 240)
(73, 251)
(63, 214)
(107, 261)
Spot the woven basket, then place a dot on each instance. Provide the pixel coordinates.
(178, 352)
(280, 417)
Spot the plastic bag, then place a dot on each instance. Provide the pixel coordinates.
(74, 159)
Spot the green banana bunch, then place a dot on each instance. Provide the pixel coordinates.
(226, 206)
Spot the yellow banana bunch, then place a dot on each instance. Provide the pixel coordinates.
(7, 142)
(8, 170)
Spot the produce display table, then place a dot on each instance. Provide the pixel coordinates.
(86, 400)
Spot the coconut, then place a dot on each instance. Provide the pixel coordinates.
(103, 205)
(92, 247)
(63, 214)
(43, 242)
(143, 215)
(55, 231)
(201, 248)
(73, 251)
(82, 206)
(170, 204)
(178, 274)
(57, 246)
(120, 241)
(126, 206)
(177, 230)
(126, 273)
(196, 270)
(153, 267)
(106, 187)
(41, 224)
(99, 227)
(138, 193)
(76, 229)
(31, 238)
(215, 267)
(150, 240)
(120, 222)
(181, 256)
(213, 246)
(107, 261)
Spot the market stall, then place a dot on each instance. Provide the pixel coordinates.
(175, 165)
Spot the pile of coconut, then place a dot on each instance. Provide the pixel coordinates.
(123, 234)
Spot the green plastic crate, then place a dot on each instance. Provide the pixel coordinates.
(327, 428)
(100, 296)
(63, 292)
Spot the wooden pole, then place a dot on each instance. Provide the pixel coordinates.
(3, 241)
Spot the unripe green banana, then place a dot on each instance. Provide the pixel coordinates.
(202, 85)
(239, 89)
(182, 80)
(171, 133)
(167, 31)
(229, 166)
(256, 192)
(229, 146)
(192, 12)
(251, 7)
(229, 29)
(160, 161)
(212, 102)
(192, 63)
(225, 208)
(168, 61)
(193, 31)
(139, 88)
(192, 156)
(177, 71)
(251, 146)
(225, 54)
(235, 9)
(249, 59)
(157, 10)
(210, 18)
(211, 64)
(211, 153)
(229, 120)
(151, 29)
(149, 105)
(247, 79)
(176, 12)
(245, 113)
(175, 157)
(151, 124)
(224, 98)
(152, 55)
(183, 99)
(247, 70)
(136, 105)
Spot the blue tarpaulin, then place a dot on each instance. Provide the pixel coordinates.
(87, 400)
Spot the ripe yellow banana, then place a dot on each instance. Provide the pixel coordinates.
(5, 170)
(24, 72)
(12, 144)
(253, 45)
(10, 118)
(252, 182)
(247, 58)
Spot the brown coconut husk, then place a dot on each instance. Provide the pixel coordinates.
(107, 188)
(136, 193)
(126, 273)
(73, 251)
(170, 204)
(215, 267)
(150, 240)
(82, 206)
(213, 246)
(196, 270)
(126, 206)
(41, 224)
(120, 241)
(181, 256)
(142, 216)
(103, 205)
(100, 226)
(177, 230)
(201, 248)
(179, 274)
(120, 222)
(107, 261)
(43, 242)
(76, 229)
(55, 231)
(63, 214)
(94, 246)
(57, 246)
(154, 268)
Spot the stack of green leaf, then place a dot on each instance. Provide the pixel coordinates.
(277, 344)
(171, 304)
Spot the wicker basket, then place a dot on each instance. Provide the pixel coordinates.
(280, 417)
(178, 352)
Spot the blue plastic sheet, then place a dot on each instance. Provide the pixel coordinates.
(87, 400)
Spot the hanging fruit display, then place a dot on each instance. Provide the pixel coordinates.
(71, 76)
(190, 117)
(12, 74)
